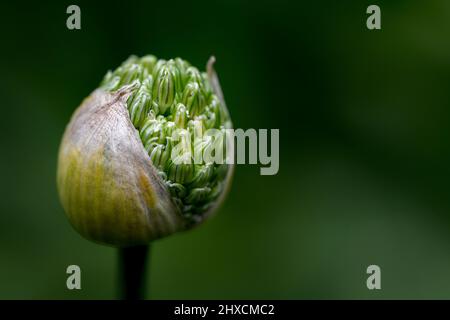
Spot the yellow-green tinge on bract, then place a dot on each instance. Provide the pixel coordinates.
(116, 180)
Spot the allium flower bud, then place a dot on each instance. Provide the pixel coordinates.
(128, 168)
(165, 88)
(180, 115)
(193, 99)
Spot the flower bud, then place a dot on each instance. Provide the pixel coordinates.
(181, 170)
(193, 99)
(182, 65)
(164, 89)
(203, 174)
(193, 75)
(126, 174)
(180, 116)
(149, 62)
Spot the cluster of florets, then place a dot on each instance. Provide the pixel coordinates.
(172, 107)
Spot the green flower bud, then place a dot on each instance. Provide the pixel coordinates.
(164, 89)
(152, 131)
(175, 72)
(118, 179)
(196, 127)
(134, 72)
(203, 174)
(149, 62)
(182, 65)
(181, 171)
(159, 64)
(160, 154)
(113, 83)
(177, 190)
(180, 116)
(193, 75)
(139, 107)
(193, 99)
(213, 113)
(198, 194)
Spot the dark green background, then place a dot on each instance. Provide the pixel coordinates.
(364, 133)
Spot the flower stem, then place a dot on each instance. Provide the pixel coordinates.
(132, 272)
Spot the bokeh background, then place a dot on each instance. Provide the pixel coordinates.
(364, 134)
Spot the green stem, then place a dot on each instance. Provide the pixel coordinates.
(132, 272)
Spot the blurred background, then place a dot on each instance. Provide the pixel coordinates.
(364, 147)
